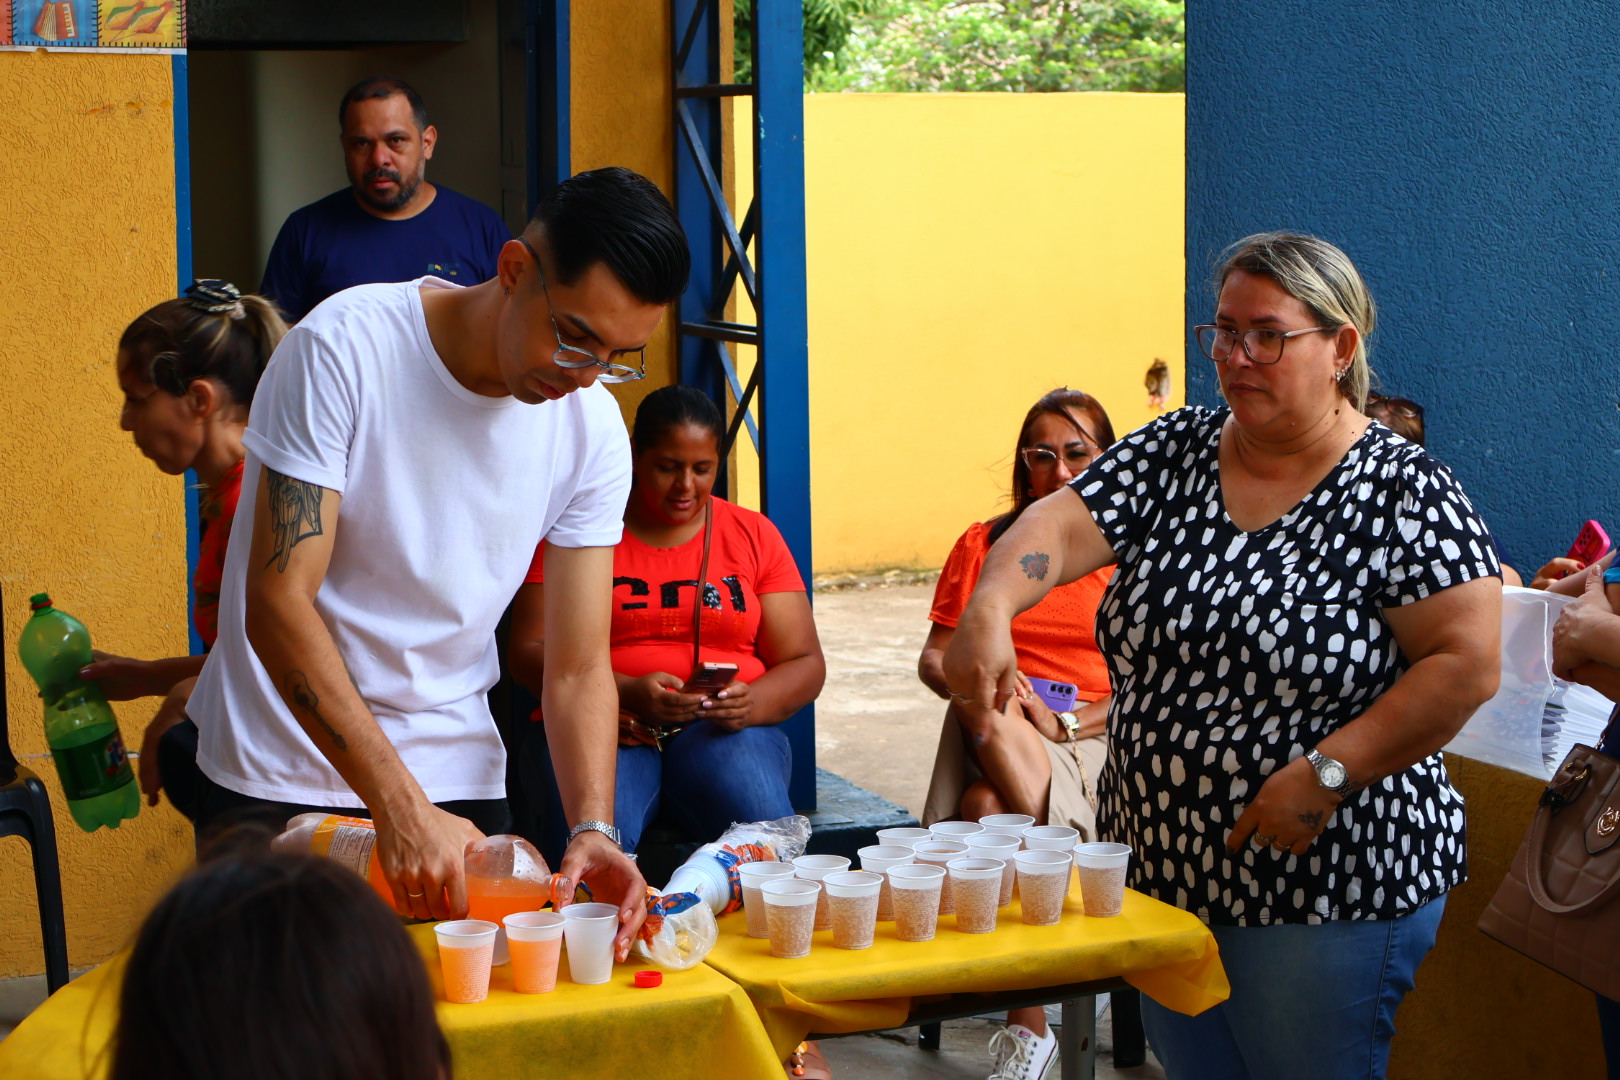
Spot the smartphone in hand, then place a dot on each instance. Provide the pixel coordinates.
(1059, 696)
(710, 678)
(1590, 545)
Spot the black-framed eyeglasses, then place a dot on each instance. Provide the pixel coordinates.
(1076, 456)
(1397, 405)
(574, 358)
(1262, 346)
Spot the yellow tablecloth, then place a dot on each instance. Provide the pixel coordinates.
(697, 1024)
(1162, 951)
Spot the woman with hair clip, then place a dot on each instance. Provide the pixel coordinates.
(1305, 609)
(1033, 759)
(275, 967)
(188, 368)
(707, 752)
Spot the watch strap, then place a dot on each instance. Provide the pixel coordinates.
(602, 827)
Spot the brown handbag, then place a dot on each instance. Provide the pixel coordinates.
(1560, 902)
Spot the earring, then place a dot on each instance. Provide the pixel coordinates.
(505, 291)
(1340, 377)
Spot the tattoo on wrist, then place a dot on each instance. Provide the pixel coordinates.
(302, 697)
(295, 514)
(1035, 565)
(1311, 819)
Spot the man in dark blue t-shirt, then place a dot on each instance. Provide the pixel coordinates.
(390, 224)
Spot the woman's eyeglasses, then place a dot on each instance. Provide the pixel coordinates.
(1398, 405)
(1262, 346)
(1076, 457)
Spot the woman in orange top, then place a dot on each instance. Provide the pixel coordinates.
(1034, 761)
(712, 757)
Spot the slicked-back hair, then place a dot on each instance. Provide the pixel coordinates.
(618, 218)
(377, 87)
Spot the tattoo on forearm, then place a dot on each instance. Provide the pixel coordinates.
(1035, 565)
(303, 697)
(1311, 819)
(295, 514)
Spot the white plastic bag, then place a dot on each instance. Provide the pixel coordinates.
(1535, 717)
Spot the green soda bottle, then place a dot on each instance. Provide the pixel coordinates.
(79, 724)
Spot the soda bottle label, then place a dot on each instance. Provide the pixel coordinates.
(94, 768)
(347, 840)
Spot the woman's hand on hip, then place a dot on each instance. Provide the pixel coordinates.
(732, 708)
(1288, 814)
(658, 700)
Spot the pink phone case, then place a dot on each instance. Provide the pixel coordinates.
(1590, 545)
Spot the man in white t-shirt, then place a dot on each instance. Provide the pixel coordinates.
(410, 445)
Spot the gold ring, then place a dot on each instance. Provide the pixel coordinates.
(414, 895)
(1264, 841)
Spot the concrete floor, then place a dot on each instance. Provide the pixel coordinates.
(876, 725)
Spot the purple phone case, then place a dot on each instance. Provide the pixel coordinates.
(1059, 696)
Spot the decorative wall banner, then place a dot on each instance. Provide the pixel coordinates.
(80, 25)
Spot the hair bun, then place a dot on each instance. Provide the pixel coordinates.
(214, 296)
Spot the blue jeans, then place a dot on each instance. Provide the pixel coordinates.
(1315, 1001)
(705, 779)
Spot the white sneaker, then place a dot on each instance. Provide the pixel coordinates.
(1020, 1054)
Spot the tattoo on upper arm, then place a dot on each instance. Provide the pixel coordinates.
(295, 514)
(303, 697)
(1311, 819)
(1035, 565)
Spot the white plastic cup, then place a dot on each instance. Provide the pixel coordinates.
(752, 875)
(1011, 824)
(1102, 868)
(852, 898)
(790, 907)
(903, 837)
(466, 947)
(954, 830)
(1050, 838)
(816, 868)
(977, 884)
(989, 845)
(916, 900)
(938, 853)
(1043, 885)
(879, 859)
(535, 939)
(589, 930)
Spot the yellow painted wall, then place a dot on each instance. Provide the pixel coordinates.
(89, 234)
(623, 115)
(966, 254)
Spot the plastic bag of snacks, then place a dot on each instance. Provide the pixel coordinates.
(680, 929)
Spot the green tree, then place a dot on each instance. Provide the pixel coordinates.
(827, 24)
(1007, 45)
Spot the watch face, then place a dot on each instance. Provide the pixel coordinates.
(1331, 773)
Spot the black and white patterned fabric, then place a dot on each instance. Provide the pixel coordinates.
(1233, 653)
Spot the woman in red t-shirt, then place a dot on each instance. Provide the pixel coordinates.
(707, 758)
(188, 368)
(1035, 761)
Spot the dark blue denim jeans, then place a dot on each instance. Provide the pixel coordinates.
(705, 779)
(1316, 1001)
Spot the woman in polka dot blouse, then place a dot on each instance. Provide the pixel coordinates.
(1306, 608)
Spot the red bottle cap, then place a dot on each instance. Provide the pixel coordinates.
(646, 980)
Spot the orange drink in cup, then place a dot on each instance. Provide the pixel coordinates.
(466, 947)
(535, 940)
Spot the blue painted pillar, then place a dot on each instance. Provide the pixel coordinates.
(549, 72)
(184, 272)
(784, 317)
(1461, 153)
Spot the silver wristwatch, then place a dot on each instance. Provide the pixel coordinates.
(596, 826)
(1329, 773)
